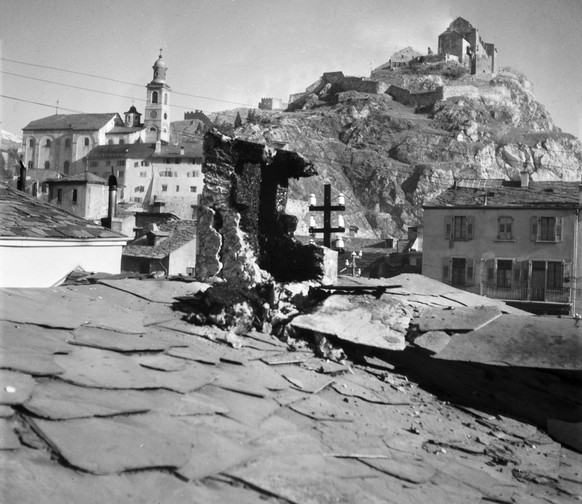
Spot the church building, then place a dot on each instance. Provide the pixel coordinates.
(62, 142)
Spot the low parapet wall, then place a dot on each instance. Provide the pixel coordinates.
(423, 99)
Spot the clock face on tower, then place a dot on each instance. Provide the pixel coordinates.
(153, 114)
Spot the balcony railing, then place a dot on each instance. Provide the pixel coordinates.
(524, 293)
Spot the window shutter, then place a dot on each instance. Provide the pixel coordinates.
(470, 270)
(516, 270)
(446, 270)
(567, 271)
(490, 268)
(470, 227)
(448, 227)
(559, 229)
(534, 228)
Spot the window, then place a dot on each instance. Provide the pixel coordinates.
(30, 165)
(139, 189)
(167, 161)
(86, 141)
(67, 143)
(164, 188)
(177, 160)
(505, 228)
(136, 164)
(121, 141)
(120, 173)
(120, 162)
(59, 195)
(193, 189)
(458, 271)
(94, 164)
(31, 142)
(177, 188)
(154, 97)
(459, 227)
(110, 142)
(504, 270)
(165, 99)
(555, 275)
(47, 165)
(143, 174)
(107, 163)
(47, 143)
(165, 173)
(146, 163)
(546, 229)
(74, 196)
(67, 167)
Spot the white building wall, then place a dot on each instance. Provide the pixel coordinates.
(45, 263)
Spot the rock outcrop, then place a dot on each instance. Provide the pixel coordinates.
(389, 158)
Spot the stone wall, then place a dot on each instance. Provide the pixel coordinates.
(423, 99)
(244, 234)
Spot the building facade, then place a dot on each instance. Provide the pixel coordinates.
(84, 195)
(515, 241)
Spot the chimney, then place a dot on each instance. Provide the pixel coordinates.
(158, 147)
(21, 184)
(181, 150)
(106, 222)
(524, 178)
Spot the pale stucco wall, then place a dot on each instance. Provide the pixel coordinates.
(44, 263)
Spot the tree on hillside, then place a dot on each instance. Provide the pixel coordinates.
(238, 120)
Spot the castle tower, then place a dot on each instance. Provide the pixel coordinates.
(157, 110)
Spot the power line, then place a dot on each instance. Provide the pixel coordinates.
(39, 103)
(123, 82)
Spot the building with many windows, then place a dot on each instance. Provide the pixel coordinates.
(518, 241)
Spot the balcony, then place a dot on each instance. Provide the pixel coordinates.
(521, 292)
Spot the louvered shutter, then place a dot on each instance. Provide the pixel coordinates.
(534, 228)
(470, 270)
(559, 225)
(470, 227)
(448, 227)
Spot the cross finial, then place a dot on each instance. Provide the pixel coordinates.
(160, 52)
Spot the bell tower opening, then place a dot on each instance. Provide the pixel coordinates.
(157, 110)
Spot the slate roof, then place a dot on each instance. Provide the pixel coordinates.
(71, 121)
(79, 178)
(22, 216)
(510, 194)
(133, 151)
(180, 233)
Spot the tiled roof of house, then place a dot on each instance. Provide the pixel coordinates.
(133, 151)
(79, 178)
(190, 150)
(180, 233)
(123, 129)
(23, 216)
(71, 121)
(510, 194)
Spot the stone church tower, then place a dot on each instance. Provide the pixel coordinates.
(157, 110)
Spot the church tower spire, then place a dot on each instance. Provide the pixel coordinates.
(157, 110)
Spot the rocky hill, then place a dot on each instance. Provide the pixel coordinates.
(389, 158)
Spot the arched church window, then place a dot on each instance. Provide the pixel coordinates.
(47, 143)
(165, 98)
(86, 141)
(121, 141)
(31, 142)
(47, 165)
(155, 97)
(67, 143)
(110, 142)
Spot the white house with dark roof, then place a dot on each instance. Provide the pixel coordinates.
(41, 244)
(84, 194)
(518, 241)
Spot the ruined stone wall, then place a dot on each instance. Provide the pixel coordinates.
(363, 85)
(244, 234)
(424, 99)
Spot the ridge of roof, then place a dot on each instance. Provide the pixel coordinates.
(71, 121)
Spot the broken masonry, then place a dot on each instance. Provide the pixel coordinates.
(245, 237)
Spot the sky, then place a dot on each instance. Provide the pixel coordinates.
(97, 55)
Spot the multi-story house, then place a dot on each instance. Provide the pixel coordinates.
(154, 176)
(518, 241)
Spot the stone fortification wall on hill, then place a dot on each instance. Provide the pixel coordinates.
(422, 99)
